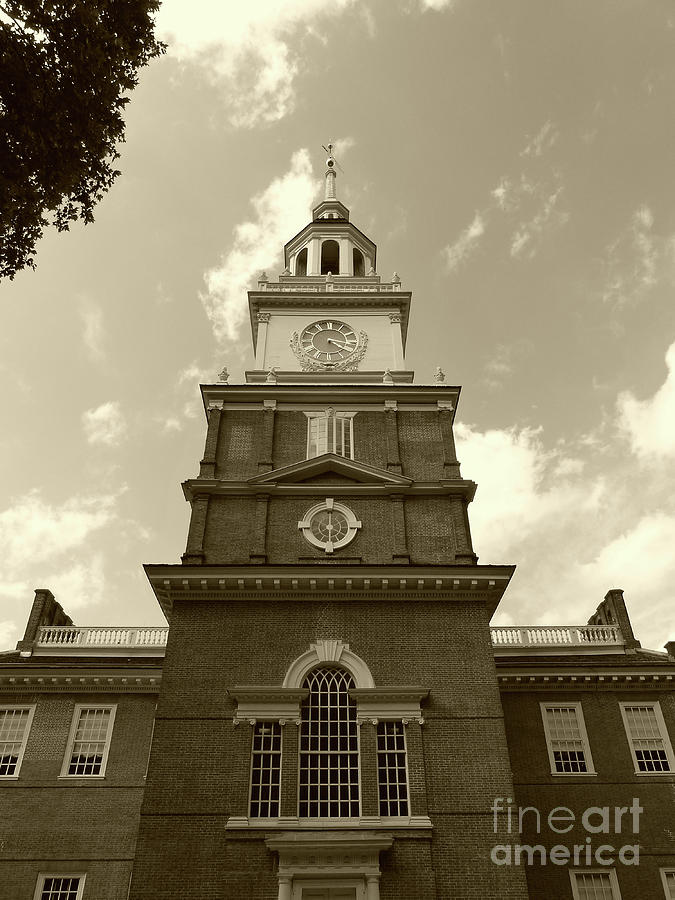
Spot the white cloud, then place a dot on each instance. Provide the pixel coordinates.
(245, 47)
(33, 531)
(437, 5)
(650, 424)
(637, 260)
(524, 241)
(47, 545)
(80, 583)
(468, 240)
(518, 492)
(543, 140)
(92, 331)
(9, 634)
(105, 424)
(281, 210)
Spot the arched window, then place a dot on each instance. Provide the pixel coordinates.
(359, 263)
(329, 747)
(330, 257)
(301, 262)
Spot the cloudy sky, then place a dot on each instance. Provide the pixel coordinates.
(514, 163)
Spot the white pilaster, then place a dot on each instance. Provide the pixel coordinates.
(396, 340)
(261, 345)
(372, 887)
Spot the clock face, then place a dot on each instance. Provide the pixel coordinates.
(329, 341)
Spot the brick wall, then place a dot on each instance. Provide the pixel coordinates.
(200, 762)
(60, 825)
(614, 785)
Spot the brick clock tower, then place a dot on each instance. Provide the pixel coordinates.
(329, 725)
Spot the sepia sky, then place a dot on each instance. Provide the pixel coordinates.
(513, 161)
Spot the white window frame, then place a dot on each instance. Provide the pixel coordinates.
(335, 414)
(71, 739)
(31, 712)
(255, 753)
(664, 878)
(39, 887)
(613, 881)
(665, 737)
(384, 721)
(586, 745)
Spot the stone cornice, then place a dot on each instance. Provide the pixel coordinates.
(330, 394)
(65, 680)
(559, 678)
(484, 584)
(459, 487)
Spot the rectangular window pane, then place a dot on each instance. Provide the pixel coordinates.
(391, 769)
(13, 734)
(594, 886)
(647, 741)
(567, 742)
(90, 742)
(60, 888)
(266, 770)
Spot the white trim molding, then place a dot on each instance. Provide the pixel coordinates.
(8, 742)
(563, 744)
(634, 740)
(608, 876)
(325, 857)
(668, 879)
(328, 651)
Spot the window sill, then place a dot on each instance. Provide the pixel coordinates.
(284, 823)
(81, 777)
(670, 774)
(575, 774)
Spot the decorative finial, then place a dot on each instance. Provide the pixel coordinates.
(387, 377)
(272, 375)
(224, 375)
(263, 276)
(396, 279)
(331, 174)
(439, 374)
(371, 272)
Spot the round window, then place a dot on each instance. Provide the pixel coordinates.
(329, 525)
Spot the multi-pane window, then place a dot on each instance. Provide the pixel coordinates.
(329, 747)
(391, 769)
(668, 878)
(14, 727)
(595, 885)
(265, 770)
(566, 738)
(59, 887)
(89, 741)
(330, 432)
(647, 737)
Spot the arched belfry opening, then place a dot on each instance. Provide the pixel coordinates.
(359, 263)
(330, 257)
(301, 262)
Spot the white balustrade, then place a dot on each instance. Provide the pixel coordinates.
(556, 636)
(65, 636)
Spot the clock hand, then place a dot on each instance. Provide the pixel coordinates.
(337, 343)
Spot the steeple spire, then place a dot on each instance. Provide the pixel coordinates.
(331, 174)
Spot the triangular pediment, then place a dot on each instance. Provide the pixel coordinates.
(330, 463)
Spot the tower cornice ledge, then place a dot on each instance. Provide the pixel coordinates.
(312, 582)
(342, 394)
(194, 487)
